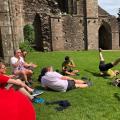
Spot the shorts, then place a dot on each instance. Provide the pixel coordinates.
(71, 84)
(105, 67)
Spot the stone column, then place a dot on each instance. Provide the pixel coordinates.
(92, 23)
(17, 22)
(5, 29)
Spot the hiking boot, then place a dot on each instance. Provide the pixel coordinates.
(36, 93)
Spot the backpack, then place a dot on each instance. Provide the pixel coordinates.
(116, 82)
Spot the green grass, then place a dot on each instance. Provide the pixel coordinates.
(93, 103)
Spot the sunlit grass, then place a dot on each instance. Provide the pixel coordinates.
(93, 103)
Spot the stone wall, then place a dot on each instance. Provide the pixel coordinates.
(59, 25)
(73, 32)
(57, 33)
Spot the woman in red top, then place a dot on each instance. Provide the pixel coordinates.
(14, 105)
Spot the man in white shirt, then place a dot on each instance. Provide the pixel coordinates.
(56, 81)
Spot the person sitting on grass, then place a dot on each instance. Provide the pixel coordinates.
(19, 67)
(105, 67)
(56, 81)
(8, 83)
(67, 67)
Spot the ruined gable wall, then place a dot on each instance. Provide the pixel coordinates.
(112, 21)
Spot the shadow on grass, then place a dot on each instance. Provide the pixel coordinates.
(93, 73)
(97, 74)
(117, 96)
(39, 87)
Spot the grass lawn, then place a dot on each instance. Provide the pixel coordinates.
(94, 103)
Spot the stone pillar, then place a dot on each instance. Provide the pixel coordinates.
(5, 29)
(92, 23)
(16, 9)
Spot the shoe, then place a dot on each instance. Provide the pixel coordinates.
(36, 93)
(38, 100)
(89, 83)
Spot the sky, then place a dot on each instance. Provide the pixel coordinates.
(111, 6)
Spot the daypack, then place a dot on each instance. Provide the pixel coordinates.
(116, 82)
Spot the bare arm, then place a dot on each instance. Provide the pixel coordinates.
(17, 82)
(72, 64)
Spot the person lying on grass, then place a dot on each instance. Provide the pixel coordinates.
(8, 83)
(56, 81)
(67, 67)
(105, 67)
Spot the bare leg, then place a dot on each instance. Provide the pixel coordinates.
(23, 90)
(79, 81)
(24, 76)
(22, 73)
(81, 85)
(100, 55)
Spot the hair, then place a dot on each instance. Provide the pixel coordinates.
(67, 58)
(43, 71)
(15, 51)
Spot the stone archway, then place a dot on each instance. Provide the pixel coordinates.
(105, 36)
(38, 33)
(1, 47)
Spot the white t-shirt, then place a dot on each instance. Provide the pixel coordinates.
(14, 60)
(53, 81)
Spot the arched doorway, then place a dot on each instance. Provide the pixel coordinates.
(105, 36)
(38, 33)
(1, 47)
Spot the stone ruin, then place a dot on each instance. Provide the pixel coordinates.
(58, 25)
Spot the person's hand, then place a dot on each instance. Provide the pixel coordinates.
(12, 76)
